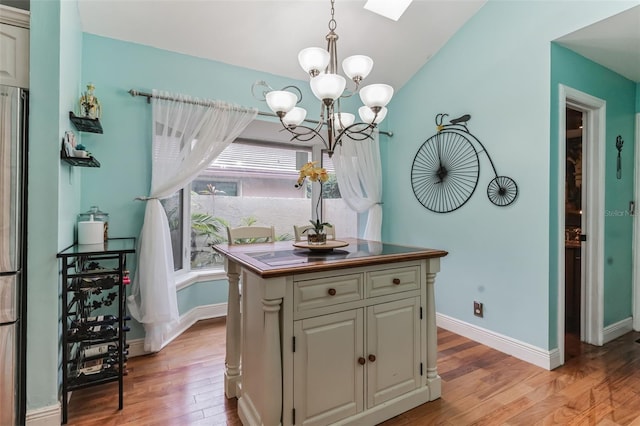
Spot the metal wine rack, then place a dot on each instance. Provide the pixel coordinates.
(94, 277)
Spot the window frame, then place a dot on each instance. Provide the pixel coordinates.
(187, 276)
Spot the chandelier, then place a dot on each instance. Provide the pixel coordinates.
(329, 87)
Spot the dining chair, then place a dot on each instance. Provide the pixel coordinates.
(300, 234)
(251, 235)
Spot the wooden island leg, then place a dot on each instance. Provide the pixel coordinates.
(433, 379)
(272, 362)
(232, 373)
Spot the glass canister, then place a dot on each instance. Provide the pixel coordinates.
(94, 213)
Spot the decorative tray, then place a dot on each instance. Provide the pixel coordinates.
(329, 245)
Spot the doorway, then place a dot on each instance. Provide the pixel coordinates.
(573, 225)
(580, 221)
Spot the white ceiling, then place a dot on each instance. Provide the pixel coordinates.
(266, 35)
(613, 42)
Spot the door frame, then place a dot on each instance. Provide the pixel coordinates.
(636, 234)
(592, 305)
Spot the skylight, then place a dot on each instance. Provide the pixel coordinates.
(391, 9)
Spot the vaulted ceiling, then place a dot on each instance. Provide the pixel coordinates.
(267, 35)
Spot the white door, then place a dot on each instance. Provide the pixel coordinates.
(393, 352)
(328, 382)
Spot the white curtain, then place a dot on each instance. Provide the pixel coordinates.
(359, 174)
(187, 136)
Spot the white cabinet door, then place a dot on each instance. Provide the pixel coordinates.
(14, 56)
(328, 379)
(393, 349)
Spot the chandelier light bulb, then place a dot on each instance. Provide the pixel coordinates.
(367, 115)
(357, 67)
(342, 120)
(281, 101)
(294, 117)
(313, 60)
(376, 95)
(328, 86)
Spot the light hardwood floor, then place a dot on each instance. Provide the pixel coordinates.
(183, 385)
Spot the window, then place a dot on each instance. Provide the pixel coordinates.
(175, 215)
(250, 183)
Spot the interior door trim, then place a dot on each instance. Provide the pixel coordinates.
(636, 233)
(594, 111)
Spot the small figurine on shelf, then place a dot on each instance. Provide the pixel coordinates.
(89, 105)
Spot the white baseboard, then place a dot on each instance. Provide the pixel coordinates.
(618, 329)
(44, 416)
(521, 350)
(136, 346)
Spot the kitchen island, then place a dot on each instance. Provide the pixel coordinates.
(345, 336)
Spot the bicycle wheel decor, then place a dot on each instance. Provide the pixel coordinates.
(445, 172)
(502, 191)
(446, 169)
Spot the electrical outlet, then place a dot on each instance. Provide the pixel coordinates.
(478, 309)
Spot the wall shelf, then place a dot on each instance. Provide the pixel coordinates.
(81, 161)
(86, 124)
(78, 161)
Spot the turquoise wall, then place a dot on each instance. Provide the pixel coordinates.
(496, 68)
(55, 58)
(201, 294)
(577, 72)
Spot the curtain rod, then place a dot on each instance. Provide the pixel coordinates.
(147, 95)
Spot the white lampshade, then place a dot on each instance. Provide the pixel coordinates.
(366, 115)
(328, 86)
(376, 95)
(313, 59)
(281, 101)
(343, 120)
(357, 66)
(294, 117)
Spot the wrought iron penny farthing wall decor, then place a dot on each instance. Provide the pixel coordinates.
(446, 168)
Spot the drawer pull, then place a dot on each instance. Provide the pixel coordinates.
(372, 358)
(396, 281)
(361, 361)
(332, 292)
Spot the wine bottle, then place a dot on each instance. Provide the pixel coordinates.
(96, 366)
(93, 321)
(100, 350)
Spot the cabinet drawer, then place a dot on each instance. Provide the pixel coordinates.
(394, 280)
(327, 291)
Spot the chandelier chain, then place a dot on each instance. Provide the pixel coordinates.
(332, 23)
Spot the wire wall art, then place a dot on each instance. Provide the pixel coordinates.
(446, 168)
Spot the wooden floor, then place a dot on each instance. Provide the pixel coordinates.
(183, 385)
